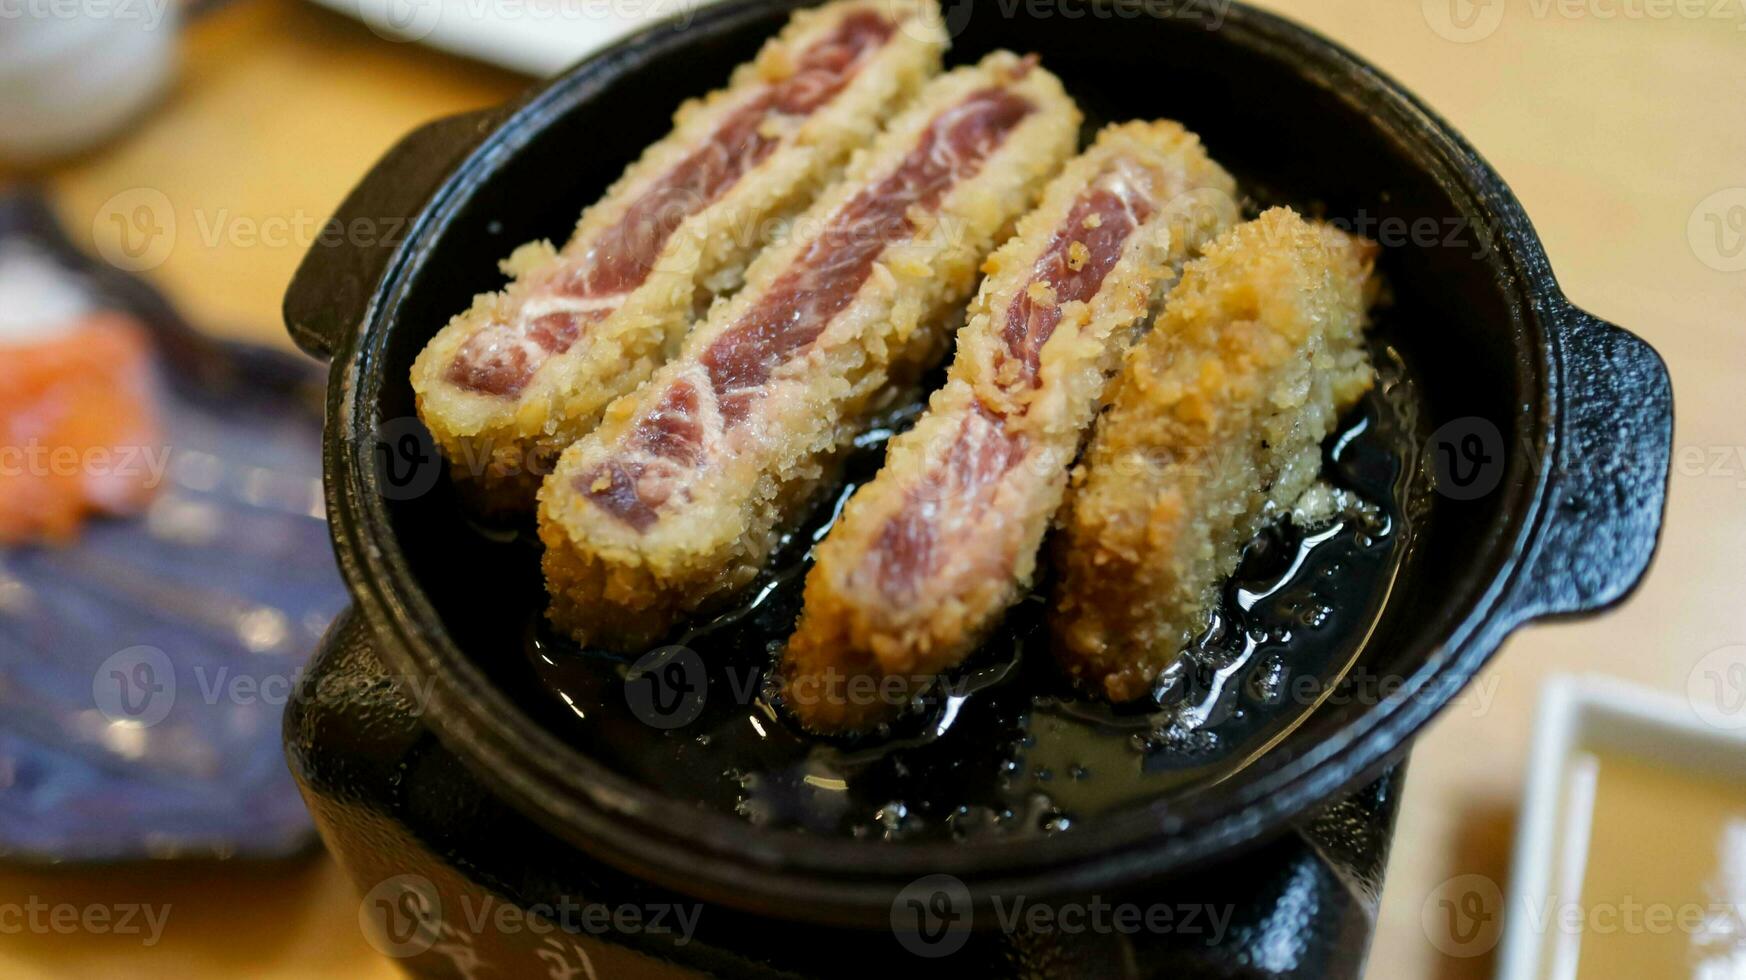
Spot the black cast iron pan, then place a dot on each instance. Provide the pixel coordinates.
(1583, 410)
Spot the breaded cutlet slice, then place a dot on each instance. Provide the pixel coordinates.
(927, 557)
(677, 499)
(506, 385)
(1215, 428)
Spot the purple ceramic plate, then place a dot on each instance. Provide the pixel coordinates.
(144, 666)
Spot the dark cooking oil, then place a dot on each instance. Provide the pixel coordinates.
(1008, 747)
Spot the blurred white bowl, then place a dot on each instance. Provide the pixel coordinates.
(76, 71)
(537, 37)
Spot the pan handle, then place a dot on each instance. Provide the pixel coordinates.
(338, 278)
(1601, 515)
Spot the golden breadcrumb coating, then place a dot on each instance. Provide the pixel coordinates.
(525, 371)
(927, 557)
(678, 498)
(1214, 429)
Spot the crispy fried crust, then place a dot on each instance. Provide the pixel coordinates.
(678, 498)
(1215, 427)
(501, 442)
(926, 558)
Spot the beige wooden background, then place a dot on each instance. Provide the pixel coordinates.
(1621, 124)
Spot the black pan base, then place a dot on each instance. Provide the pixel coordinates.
(441, 859)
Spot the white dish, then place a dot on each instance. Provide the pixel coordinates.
(538, 37)
(72, 79)
(1577, 717)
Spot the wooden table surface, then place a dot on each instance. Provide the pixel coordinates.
(1621, 124)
